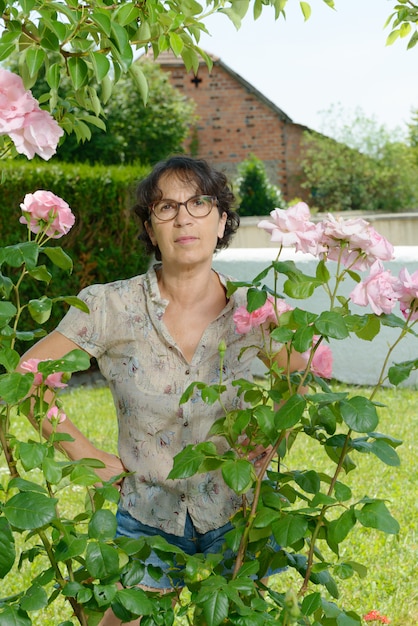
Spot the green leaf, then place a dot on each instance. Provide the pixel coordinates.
(7, 552)
(34, 599)
(7, 312)
(40, 310)
(186, 463)
(136, 601)
(41, 273)
(74, 301)
(215, 608)
(338, 529)
(308, 480)
(376, 515)
(70, 547)
(385, 452)
(59, 258)
(290, 413)
(102, 560)
(239, 475)
(32, 454)
(14, 616)
(359, 413)
(34, 60)
(369, 330)
(101, 65)
(78, 71)
(102, 20)
(103, 525)
(30, 510)
(127, 13)
(289, 529)
(15, 386)
(140, 81)
(311, 603)
(331, 324)
(306, 10)
(265, 417)
(302, 339)
(9, 358)
(401, 371)
(19, 254)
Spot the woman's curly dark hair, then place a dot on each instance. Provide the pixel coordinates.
(208, 181)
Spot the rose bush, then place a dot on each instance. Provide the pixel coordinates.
(309, 513)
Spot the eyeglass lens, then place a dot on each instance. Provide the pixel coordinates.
(197, 206)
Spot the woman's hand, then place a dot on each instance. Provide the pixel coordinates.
(113, 467)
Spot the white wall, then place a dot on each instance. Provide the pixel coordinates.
(355, 361)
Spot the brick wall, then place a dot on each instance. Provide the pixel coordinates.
(236, 120)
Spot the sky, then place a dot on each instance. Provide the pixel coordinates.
(335, 58)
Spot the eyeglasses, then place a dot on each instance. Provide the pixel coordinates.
(197, 206)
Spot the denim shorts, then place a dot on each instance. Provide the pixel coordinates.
(192, 542)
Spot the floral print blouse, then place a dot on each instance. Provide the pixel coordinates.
(147, 374)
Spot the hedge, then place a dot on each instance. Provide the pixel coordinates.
(103, 242)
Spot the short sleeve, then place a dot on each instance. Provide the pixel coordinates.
(86, 329)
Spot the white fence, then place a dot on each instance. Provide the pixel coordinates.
(355, 361)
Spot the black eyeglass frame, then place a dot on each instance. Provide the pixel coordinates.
(179, 204)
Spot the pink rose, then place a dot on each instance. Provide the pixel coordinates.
(54, 381)
(56, 415)
(44, 211)
(39, 134)
(31, 365)
(292, 227)
(407, 292)
(353, 242)
(322, 360)
(377, 290)
(246, 321)
(33, 130)
(15, 102)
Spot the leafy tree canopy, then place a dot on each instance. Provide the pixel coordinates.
(95, 43)
(258, 195)
(135, 131)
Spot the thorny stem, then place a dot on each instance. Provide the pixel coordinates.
(320, 519)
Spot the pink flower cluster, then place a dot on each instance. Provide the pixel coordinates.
(54, 381)
(246, 321)
(354, 242)
(382, 291)
(375, 616)
(357, 245)
(44, 211)
(32, 130)
(269, 313)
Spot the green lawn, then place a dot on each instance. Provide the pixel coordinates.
(391, 584)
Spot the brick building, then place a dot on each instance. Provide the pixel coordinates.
(236, 120)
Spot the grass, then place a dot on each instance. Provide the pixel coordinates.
(392, 561)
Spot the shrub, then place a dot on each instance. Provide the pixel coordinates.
(258, 196)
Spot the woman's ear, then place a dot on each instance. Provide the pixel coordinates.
(150, 233)
(221, 225)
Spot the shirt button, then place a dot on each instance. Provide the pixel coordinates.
(187, 372)
(185, 424)
(183, 497)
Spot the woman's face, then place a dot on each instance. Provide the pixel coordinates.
(185, 239)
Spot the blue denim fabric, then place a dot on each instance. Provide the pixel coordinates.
(192, 542)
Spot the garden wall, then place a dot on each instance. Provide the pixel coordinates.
(355, 361)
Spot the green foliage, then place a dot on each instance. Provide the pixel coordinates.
(103, 242)
(341, 178)
(403, 22)
(257, 195)
(135, 131)
(95, 44)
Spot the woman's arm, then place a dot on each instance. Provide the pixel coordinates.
(55, 346)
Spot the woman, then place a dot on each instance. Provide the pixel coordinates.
(153, 335)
